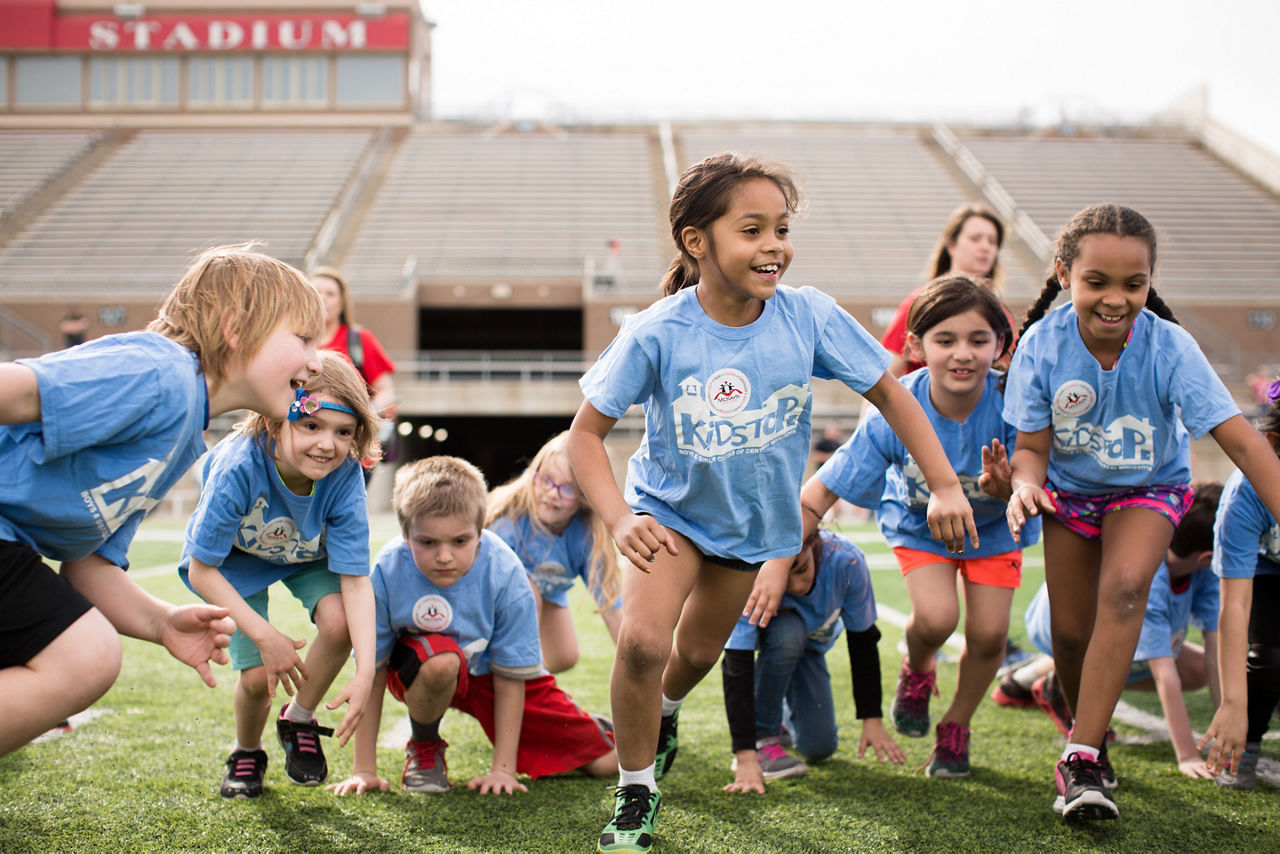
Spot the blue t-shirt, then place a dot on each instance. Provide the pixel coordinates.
(1164, 624)
(873, 470)
(553, 561)
(1246, 537)
(122, 419)
(841, 598)
(727, 412)
(257, 531)
(1115, 429)
(489, 612)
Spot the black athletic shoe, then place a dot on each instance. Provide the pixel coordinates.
(245, 769)
(304, 761)
(1081, 792)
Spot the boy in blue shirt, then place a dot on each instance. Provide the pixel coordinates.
(457, 627)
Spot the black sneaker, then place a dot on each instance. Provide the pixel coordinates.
(1104, 762)
(245, 769)
(1081, 792)
(635, 810)
(667, 743)
(304, 761)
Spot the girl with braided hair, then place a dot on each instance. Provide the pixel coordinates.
(1104, 392)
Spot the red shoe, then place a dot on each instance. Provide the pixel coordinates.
(1011, 694)
(1049, 697)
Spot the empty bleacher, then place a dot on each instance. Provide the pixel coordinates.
(30, 158)
(1218, 231)
(469, 206)
(875, 201)
(132, 225)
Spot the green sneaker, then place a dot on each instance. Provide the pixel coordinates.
(635, 809)
(667, 744)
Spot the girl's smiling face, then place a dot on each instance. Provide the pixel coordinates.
(959, 352)
(1108, 283)
(314, 445)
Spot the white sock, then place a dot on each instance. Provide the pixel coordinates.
(669, 706)
(643, 777)
(240, 748)
(1026, 676)
(1084, 750)
(296, 713)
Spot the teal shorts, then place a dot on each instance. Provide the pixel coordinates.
(308, 585)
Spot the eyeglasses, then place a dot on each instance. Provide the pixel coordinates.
(568, 493)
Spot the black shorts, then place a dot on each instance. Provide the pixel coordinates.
(1264, 628)
(36, 604)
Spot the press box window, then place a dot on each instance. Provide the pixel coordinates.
(133, 81)
(370, 80)
(223, 81)
(47, 81)
(296, 81)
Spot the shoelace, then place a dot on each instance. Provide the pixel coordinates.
(918, 686)
(306, 742)
(424, 753)
(635, 803)
(1084, 770)
(772, 752)
(246, 766)
(952, 739)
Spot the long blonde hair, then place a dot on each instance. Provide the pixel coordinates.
(515, 499)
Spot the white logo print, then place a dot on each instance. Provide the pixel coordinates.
(277, 540)
(432, 613)
(704, 431)
(728, 392)
(1074, 398)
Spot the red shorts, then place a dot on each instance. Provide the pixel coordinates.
(556, 735)
(1002, 570)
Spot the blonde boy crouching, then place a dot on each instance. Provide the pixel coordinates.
(457, 627)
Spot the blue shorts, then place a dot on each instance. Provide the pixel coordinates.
(308, 586)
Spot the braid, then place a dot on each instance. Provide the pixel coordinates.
(1159, 306)
(1052, 287)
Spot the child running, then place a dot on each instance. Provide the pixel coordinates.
(283, 500)
(722, 366)
(558, 538)
(959, 329)
(94, 437)
(1100, 392)
(457, 628)
(828, 589)
(1246, 556)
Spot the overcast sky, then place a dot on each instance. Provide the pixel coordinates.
(977, 60)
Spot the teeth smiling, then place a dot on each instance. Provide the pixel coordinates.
(768, 268)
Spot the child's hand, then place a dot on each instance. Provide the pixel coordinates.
(640, 538)
(280, 658)
(198, 634)
(497, 782)
(358, 784)
(997, 474)
(1195, 769)
(950, 516)
(355, 695)
(1026, 501)
(875, 736)
(766, 593)
(749, 777)
(1227, 732)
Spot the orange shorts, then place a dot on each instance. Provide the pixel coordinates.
(1002, 570)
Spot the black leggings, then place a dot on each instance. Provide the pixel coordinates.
(1263, 671)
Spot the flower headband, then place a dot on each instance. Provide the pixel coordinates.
(304, 405)
(1273, 391)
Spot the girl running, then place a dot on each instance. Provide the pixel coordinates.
(959, 329)
(722, 366)
(1100, 391)
(542, 516)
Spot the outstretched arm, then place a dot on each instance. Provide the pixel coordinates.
(193, 634)
(1164, 671)
(1030, 465)
(364, 764)
(357, 601)
(1227, 730)
(508, 716)
(639, 538)
(949, 513)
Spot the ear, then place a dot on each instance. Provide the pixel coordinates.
(914, 350)
(1063, 273)
(230, 330)
(695, 242)
(1204, 558)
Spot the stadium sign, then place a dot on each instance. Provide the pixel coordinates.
(177, 34)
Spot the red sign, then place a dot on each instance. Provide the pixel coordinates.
(215, 33)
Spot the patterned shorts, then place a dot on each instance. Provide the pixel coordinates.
(1082, 514)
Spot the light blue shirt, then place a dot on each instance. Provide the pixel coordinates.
(553, 561)
(489, 612)
(122, 419)
(874, 470)
(1115, 429)
(727, 412)
(841, 598)
(1246, 538)
(257, 531)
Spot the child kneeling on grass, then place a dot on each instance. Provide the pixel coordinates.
(457, 627)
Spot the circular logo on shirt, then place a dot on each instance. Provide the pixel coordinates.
(728, 391)
(278, 531)
(1075, 397)
(432, 613)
